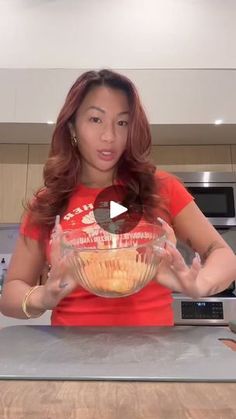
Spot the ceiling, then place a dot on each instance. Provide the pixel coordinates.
(169, 134)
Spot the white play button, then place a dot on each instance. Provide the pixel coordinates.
(116, 209)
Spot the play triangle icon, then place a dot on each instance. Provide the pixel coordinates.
(116, 209)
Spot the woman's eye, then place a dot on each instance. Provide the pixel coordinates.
(123, 123)
(95, 119)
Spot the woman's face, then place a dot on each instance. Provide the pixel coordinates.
(101, 125)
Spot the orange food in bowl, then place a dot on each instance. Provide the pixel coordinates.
(119, 272)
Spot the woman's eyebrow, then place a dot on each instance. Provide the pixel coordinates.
(103, 111)
(124, 113)
(96, 108)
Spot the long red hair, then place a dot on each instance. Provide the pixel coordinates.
(62, 168)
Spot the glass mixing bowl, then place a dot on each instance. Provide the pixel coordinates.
(113, 265)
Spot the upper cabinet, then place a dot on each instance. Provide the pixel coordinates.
(169, 95)
(233, 149)
(37, 156)
(13, 175)
(21, 169)
(195, 158)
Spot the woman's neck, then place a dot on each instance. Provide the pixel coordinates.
(94, 178)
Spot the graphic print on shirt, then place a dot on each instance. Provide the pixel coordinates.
(87, 213)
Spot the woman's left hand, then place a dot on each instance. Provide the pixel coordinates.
(173, 271)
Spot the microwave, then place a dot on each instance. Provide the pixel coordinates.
(215, 195)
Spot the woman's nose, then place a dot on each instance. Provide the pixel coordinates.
(108, 134)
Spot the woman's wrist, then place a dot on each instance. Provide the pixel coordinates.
(32, 304)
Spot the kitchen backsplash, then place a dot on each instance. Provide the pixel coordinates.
(8, 236)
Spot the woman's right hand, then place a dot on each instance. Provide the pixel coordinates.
(59, 283)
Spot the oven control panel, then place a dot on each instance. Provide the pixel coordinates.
(202, 310)
(207, 310)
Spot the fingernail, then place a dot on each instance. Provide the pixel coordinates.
(159, 249)
(198, 256)
(63, 285)
(57, 222)
(160, 220)
(170, 244)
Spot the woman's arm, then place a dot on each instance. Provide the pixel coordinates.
(24, 270)
(218, 260)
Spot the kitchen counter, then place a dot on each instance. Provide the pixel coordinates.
(116, 400)
(109, 373)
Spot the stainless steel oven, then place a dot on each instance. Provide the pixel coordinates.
(215, 194)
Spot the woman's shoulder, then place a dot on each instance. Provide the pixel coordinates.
(164, 178)
(173, 191)
(29, 227)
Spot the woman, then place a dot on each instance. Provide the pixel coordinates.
(102, 137)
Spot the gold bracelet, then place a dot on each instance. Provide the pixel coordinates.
(24, 303)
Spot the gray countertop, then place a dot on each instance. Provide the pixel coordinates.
(180, 353)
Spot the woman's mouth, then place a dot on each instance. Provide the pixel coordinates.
(106, 155)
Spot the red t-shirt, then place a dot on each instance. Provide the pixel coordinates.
(152, 306)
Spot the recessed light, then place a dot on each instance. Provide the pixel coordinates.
(50, 122)
(218, 121)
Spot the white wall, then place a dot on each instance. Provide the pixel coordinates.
(119, 34)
